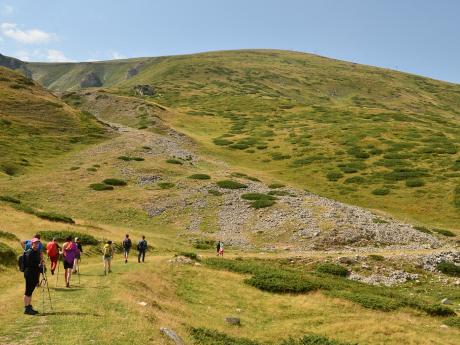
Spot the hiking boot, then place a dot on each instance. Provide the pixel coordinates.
(126, 261)
(30, 311)
(110, 271)
(67, 285)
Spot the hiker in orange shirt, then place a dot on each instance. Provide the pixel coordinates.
(52, 249)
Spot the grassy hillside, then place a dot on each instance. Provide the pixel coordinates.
(36, 125)
(364, 135)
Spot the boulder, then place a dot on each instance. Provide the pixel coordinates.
(144, 90)
(90, 80)
(233, 320)
(172, 335)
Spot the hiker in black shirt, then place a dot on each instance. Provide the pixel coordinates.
(141, 248)
(127, 244)
(32, 267)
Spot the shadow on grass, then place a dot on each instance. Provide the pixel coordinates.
(68, 313)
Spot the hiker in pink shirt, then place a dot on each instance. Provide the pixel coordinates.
(69, 252)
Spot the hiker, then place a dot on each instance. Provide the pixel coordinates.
(127, 244)
(52, 249)
(76, 262)
(221, 249)
(141, 248)
(218, 248)
(69, 252)
(27, 244)
(107, 252)
(32, 267)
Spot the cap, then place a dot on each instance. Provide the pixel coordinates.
(33, 240)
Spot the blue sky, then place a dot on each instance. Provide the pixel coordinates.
(421, 37)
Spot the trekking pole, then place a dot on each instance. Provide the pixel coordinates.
(78, 271)
(58, 264)
(48, 288)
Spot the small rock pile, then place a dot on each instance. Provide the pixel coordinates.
(430, 262)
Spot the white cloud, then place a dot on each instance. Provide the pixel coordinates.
(33, 36)
(53, 55)
(7, 10)
(23, 55)
(116, 55)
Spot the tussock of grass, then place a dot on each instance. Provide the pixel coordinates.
(214, 192)
(11, 199)
(128, 158)
(334, 269)
(452, 322)
(257, 196)
(334, 176)
(262, 203)
(230, 184)
(381, 191)
(200, 177)
(114, 182)
(276, 185)
(444, 232)
(203, 244)
(174, 161)
(422, 229)
(8, 236)
(415, 182)
(54, 217)
(166, 185)
(203, 336)
(449, 268)
(100, 186)
(190, 255)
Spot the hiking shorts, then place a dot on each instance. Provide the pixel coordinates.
(31, 283)
(68, 265)
(126, 250)
(106, 258)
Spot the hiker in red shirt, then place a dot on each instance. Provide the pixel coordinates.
(52, 249)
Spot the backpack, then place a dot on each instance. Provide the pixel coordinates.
(127, 243)
(142, 245)
(22, 262)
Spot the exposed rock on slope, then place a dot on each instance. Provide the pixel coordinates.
(144, 90)
(91, 80)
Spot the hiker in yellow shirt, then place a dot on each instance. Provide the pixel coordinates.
(107, 252)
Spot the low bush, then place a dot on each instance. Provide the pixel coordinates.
(355, 179)
(334, 269)
(124, 158)
(222, 142)
(205, 336)
(381, 191)
(368, 300)
(100, 186)
(127, 158)
(379, 221)
(422, 229)
(8, 236)
(114, 182)
(262, 203)
(452, 322)
(91, 169)
(281, 282)
(449, 268)
(166, 185)
(437, 310)
(7, 255)
(313, 339)
(54, 217)
(276, 185)
(199, 177)
(11, 199)
(190, 255)
(334, 175)
(60, 236)
(257, 196)
(137, 159)
(415, 182)
(230, 184)
(278, 192)
(203, 244)
(444, 232)
(74, 168)
(376, 257)
(174, 161)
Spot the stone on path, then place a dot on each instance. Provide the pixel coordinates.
(172, 335)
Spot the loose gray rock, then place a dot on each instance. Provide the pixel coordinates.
(172, 335)
(144, 90)
(233, 320)
(446, 301)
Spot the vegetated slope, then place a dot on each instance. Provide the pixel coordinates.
(370, 136)
(35, 125)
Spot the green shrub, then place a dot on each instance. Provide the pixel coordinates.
(205, 336)
(214, 192)
(376, 257)
(368, 300)
(54, 217)
(146, 147)
(444, 232)
(239, 146)
(437, 310)
(278, 192)
(334, 269)
(100, 186)
(222, 142)
(124, 158)
(200, 177)
(91, 169)
(452, 322)
(422, 229)
(7, 255)
(114, 182)
(281, 282)
(230, 184)
(137, 159)
(174, 161)
(257, 196)
(415, 182)
(127, 158)
(312, 339)
(203, 244)
(11, 199)
(190, 255)
(355, 179)
(10, 169)
(276, 185)
(8, 235)
(74, 168)
(449, 268)
(381, 191)
(60, 236)
(334, 175)
(262, 203)
(166, 185)
(379, 221)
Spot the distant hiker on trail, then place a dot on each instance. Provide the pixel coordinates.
(69, 252)
(141, 248)
(32, 267)
(76, 263)
(107, 256)
(127, 244)
(220, 248)
(52, 249)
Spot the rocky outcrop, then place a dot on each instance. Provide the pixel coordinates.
(90, 80)
(15, 64)
(133, 71)
(144, 90)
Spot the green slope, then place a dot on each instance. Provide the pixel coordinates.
(36, 125)
(370, 136)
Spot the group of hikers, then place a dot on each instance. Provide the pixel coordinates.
(32, 262)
